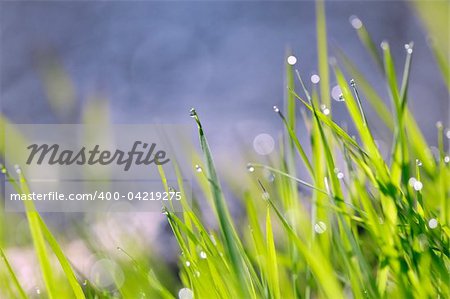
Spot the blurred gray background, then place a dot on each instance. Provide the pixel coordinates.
(153, 61)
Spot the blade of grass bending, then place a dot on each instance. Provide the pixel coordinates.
(366, 40)
(13, 275)
(330, 123)
(296, 142)
(37, 236)
(65, 264)
(371, 95)
(288, 176)
(226, 227)
(40, 232)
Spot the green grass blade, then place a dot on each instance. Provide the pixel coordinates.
(366, 40)
(15, 281)
(65, 264)
(296, 142)
(226, 226)
(272, 265)
(38, 240)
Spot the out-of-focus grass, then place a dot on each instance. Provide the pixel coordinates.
(372, 228)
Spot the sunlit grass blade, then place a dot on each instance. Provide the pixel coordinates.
(226, 227)
(39, 233)
(65, 264)
(296, 142)
(40, 247)
(366, 40)
(370, 93)
(327, 121)
(320, 266)
(13, 276)
(272, 265)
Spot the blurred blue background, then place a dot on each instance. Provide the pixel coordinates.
(153, 61)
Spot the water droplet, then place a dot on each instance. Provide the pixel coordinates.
(85, 282)
(3, 168)
(433, 223)
(446, 159)
(38, 291)
(197, 273)
(292, 60)
(384, 45)
(341, 98)
(276, 109)
(408, 48)
(447, 134)
(339, 174)
(355, 22)
(188, 263)
(164, 211)
(18, 169)
(315, 79)
(192, 112)
(418, 185)
(198, 168)
(265, 196)
(250, 167)
(185, 293)
(320, 227)
(325, 110)
(352, 83)
(439, 125)
(418, 162)
(203, 254)
(336, 92)
(271, 177)
(412, 181)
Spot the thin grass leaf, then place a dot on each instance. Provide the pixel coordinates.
(271, 260)
(65, 264)
(13, 276)
(226, 226)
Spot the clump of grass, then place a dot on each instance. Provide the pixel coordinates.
(372, 228)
